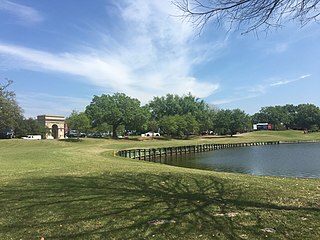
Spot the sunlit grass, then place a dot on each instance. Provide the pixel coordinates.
(79, 190)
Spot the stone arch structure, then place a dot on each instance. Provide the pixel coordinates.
(54, 124)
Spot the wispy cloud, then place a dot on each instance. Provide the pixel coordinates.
(278, 48)
(21, 12)
(152, 56)
(244, 93)
(285, 81)
(35, 103)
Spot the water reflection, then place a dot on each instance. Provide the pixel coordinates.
(291, 160)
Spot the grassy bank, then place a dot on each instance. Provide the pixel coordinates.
(78, 190)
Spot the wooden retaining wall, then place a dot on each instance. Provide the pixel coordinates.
(157, 153)
(299, 141)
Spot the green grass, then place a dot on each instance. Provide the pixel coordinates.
(78, 190)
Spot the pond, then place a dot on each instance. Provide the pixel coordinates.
(290, 160)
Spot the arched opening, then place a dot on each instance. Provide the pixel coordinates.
(55, 131)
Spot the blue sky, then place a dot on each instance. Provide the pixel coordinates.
(61, 53)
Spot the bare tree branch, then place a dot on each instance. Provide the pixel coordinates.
(251, 14)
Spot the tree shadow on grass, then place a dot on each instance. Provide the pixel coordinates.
(140, 206)
(71, 140)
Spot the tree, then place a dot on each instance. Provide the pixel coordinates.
(169, 125)
(254, 14)
(117, 109)
(240, 122)
(179, 125)
(168, 105)
(291, 112)
(279, 116)
(10, 112)
(221, 121)
(191, 125)
(78, 121)
(308, 117)
(139, 123)
(303, 116)
(172, 105)
(29, 126)
(153, 125)
(231, 122)
(102, 128)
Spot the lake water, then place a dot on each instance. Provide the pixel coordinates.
(290, 160)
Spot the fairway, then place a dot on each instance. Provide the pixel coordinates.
(79, 190)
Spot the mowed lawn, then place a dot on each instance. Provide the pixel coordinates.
(78, 190)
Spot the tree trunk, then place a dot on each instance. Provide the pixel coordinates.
(114, 131)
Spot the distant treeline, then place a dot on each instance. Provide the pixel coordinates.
(302, 116)
(172, 115)
(176, 115)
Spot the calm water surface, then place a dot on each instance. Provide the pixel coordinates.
(290, 160)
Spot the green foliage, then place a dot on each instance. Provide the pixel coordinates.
(231, 122)
(303, 116)
(10, 112)
(191, 126)
(278, 116)
(139, 122)
(171, 105)
(102, 128)
(196, 112)
(29, 126)
(116, 110)
(153, 125)
(78, 121)
(179, 125)
(165, 106)
(169, 125)
(308, 117)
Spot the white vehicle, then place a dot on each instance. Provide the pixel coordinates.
(151, 134)
(32, 137)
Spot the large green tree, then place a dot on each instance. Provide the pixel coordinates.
(231, 121)
(10, 112)
(308, 117)
(115, 110)
(173, 105)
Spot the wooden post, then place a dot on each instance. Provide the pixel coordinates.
(154, 154)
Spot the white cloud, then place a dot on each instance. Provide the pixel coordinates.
(21, 12)
(281, 47)
(244, 93)
(284, 82)
(155, 55)
(236, 97)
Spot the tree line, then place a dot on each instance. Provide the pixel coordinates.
(173, 115)
(181, 116)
